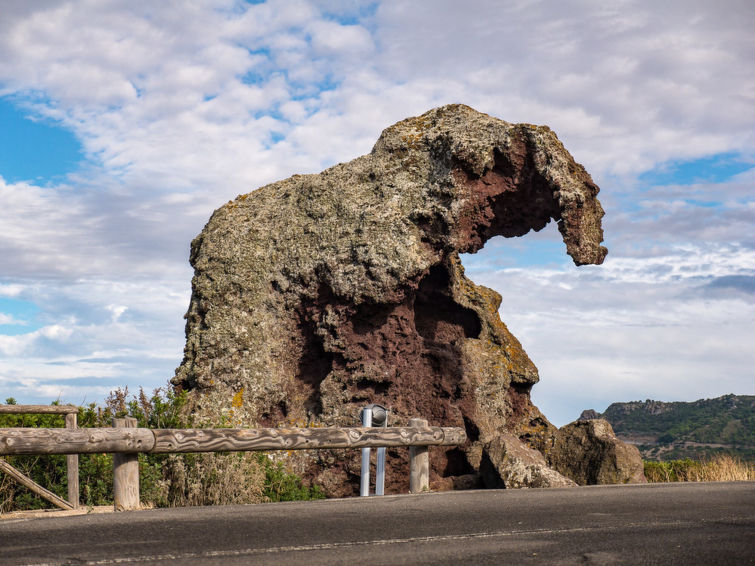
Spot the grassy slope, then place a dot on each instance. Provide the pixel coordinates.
(702, 428)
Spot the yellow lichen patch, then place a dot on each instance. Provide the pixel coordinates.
(238, 399)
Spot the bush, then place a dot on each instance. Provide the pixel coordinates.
(166, 480)
(280, 485)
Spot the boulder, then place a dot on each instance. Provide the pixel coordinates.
(588, 452)
(589, 415)
(509, 463)
(319, 294)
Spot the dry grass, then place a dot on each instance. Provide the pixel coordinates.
(212, 479)
(719, 468)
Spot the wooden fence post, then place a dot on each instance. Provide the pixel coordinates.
(125, 474)
(72, 465)
(419, 463)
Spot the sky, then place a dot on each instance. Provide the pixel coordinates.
(124, 124)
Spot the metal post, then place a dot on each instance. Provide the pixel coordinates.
(364, 485)
(380, 473)
(380, 468)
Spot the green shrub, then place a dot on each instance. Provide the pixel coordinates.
(670, 471)
(281, 485)
(166, 480)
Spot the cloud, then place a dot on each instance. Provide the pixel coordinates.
(743, 283)
(625, 84)
(11, 320)
(180, 107)
(633, 328)
(119, 332)
(16, 345)
(10, 290)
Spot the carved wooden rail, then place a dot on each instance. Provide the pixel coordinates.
(125, 442)
(15, 441)
(72, 460)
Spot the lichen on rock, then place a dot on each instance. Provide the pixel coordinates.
(318, 294)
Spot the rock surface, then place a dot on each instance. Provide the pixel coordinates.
(589, 453)
(589, 415)
(319, 294)
(509, 463)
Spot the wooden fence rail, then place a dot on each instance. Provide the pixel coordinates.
(125, 442)
(15, 441)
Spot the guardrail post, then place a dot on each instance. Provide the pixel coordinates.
(125, 474)
(364, 480)
(72, 467)
(419, 463)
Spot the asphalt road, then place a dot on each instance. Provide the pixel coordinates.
(690, 524)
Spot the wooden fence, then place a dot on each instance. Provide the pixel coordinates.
(125, 442)
(72, 460)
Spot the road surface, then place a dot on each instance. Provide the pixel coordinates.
(648, 524)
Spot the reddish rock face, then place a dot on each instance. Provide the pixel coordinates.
(317, 295)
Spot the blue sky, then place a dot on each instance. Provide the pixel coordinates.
(33, 148)
(124, 125)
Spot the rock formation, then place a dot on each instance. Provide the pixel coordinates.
(316, 295)
(589, 453)
(509, 463)
(589, 415)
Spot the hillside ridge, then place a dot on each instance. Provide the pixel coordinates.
(669, 430)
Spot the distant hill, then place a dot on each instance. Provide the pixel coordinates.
(667, 431)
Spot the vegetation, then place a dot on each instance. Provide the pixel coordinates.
(166, 480)
(698, 430)
(281, 485)
(719, 468)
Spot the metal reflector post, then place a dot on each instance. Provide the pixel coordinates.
(380, 472)
(364, 484)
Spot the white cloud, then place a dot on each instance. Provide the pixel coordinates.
(117, 311)
(333, 39)
(10, 290)
(11, 320)
(634, 328)
(16, 345)
(99, 335)
(181, 106)
(625, 84)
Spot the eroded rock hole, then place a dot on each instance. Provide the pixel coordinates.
(472, 430)
(315, 363)
(437, 317)
(530, 208)
(511, 199)
(275, 415)
(371, 317)
(314, 366)
(456, 463)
